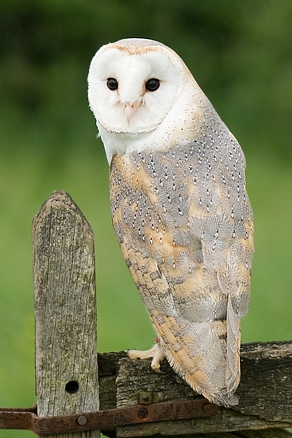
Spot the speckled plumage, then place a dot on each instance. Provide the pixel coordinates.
(184, 223)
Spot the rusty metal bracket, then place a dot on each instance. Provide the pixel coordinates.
(107, 419)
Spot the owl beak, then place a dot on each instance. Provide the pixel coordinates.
(129, 111)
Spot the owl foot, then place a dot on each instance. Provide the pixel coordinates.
(155, 352)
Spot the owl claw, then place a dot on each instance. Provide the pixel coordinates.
(155, 352)
(156, 367)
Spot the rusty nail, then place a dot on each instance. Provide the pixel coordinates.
(142, 413)
(82, 420)
(207, 408)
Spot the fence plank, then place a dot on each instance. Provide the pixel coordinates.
(65, 311)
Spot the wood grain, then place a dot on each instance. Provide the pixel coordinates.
(65, 310)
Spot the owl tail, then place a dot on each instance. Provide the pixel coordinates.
(205, 355)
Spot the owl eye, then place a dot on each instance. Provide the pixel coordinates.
(112, 84)
(152, 84)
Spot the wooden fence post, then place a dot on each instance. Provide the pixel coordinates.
(65, 311)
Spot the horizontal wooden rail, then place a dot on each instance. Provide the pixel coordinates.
(265, 392)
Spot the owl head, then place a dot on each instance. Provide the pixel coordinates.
(133, 87)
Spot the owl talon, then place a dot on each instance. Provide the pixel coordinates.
(155, 352)
(156, 368)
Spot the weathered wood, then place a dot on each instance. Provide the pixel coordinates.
(65, 311)
(108, 367)
(265, 392)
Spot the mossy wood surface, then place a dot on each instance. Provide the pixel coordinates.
(65, 311)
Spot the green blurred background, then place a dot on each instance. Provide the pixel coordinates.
(240, 52)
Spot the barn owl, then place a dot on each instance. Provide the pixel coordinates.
(179, 207)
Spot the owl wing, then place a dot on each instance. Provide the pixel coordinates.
(184, 224)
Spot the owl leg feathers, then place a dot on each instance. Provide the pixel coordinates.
(197, 352)
(156, 352)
